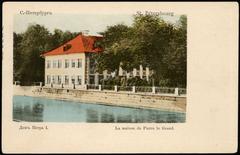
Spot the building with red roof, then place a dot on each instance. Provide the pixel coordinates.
(69, 65)
(79, 44)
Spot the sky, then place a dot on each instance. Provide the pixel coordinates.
(77, 22)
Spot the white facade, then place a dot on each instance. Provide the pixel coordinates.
(65, 70)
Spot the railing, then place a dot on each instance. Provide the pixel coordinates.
(182, 91)
(28, 83)
(92, 87)
(107, 87)
(143, 89)
(124, 88)
(160, 90)
(132, 89)
(16, 82)
(37, 83)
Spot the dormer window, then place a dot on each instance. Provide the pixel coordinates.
(97, 44)
(67, 47)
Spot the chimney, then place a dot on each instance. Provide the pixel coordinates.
(85, 32)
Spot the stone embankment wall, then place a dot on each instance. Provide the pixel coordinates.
(127, 99)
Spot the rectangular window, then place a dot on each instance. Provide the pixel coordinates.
(48, 79)
(79, 79)
(66, 63)
(56, 79)
(66, 80)
(59, 79)
(79, 63)
(73, 63)
(48, 64)
(53, 79)
(73, 79)
(59, 63)
(54, 64)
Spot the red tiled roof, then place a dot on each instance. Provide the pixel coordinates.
(79, 44)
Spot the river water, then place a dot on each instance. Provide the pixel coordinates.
(35, 109)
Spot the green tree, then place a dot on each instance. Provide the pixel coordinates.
(28, 48)
(34, 42)
(175, 59)
(111, 57)
(152, 36)
(17, 56)
(151, 42)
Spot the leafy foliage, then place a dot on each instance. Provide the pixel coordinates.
(28, 47)
(150, 41)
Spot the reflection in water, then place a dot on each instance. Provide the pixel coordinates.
(107, 117)
(38, 108)
(26, 112)
(124, 118)
(34, 109)
(92, 115)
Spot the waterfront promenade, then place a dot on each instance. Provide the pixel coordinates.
(149, 100)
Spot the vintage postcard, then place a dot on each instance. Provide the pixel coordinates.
(84, 77)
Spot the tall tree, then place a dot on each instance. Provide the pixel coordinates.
(111, 57)
(34, 42)
(17, 55)
(152, 36)
(175, 59)
(28, 47)
(151, 42)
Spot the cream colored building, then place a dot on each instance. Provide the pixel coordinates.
(70, 64)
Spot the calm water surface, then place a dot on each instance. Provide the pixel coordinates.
(34, 109)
